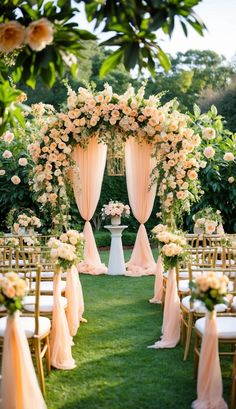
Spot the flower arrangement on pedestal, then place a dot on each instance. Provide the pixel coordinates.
(209, 289)
(208, 221)
(68, 249)
(26, 221)
(115, 210)
(12, 290)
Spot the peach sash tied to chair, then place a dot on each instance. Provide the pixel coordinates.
(158, 283)
(60, 340)
(209, 381)
(19, 385)
(75, 300)
(172, 317)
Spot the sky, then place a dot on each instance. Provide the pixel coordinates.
(220, 18)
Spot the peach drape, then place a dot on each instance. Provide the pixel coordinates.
(75, 300)
(87, 183)
(158, 283)
(19, 385)
(209, 381)
(139, 165)
(171, 317)
(60, 339)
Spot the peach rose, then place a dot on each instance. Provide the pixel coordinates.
(8, 137)
(209, 152)
(192, 174)
(2, 172)
(228, 156)
(208, 133)
(15, 180)
(39, 34)
(7, 154)
(23, 161)
(12, 36)
(231, 179)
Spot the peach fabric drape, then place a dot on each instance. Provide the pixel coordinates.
(209, 382)
(171, 318)
(158, 283)
(60, 339)
(87, 183)
(75, 300)
(19, 385)
(139, 165)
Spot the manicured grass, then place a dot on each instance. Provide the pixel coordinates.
(115, 369)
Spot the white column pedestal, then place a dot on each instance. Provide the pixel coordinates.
(116, 265)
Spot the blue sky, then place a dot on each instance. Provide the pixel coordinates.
(220, 19)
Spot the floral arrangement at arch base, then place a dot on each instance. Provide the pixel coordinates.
(208, 221)
(12, 290)
(67, 250)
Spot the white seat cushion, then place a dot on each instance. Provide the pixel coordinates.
(43, 274)
(28, 325)
(183, 285)
(199, 307)
(45, 303)
(226, 326)
(47, 286)
(233, 306)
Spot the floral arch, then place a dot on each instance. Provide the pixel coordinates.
(161, 152)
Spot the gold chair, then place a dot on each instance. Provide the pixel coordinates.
(36, 327)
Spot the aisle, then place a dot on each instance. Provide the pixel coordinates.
(115, 370)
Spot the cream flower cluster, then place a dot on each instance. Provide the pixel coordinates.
(178, 163)
(23, 220)
(210, 289)
(209, 221)
(37, 35)
(12, 290)
(67, 250)
(115, 208)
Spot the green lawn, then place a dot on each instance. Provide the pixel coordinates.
(115, 369)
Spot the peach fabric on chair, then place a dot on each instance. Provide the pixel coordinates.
(158, 283)
(171, 318)
(19, 385)
(209, 381)
(87, 184)
(139, 165)
(60, 340)
(75, 300)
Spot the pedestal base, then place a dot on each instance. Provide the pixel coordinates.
(116, 265)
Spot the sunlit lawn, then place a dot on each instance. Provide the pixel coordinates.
(115, 369)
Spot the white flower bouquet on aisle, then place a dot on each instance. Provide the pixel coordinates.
(115, 210)
(68, 249)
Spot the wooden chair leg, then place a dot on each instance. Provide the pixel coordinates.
(39, 363)
(189, 335)
(233, 389)
(183, 328)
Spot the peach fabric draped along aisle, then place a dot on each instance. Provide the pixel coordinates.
(75, 300)
(139, 165)
(209, 381)
(171, 317)
(60, 338)
(158, 283)
(19, 385)
(87, 183)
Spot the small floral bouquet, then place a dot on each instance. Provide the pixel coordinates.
(209, 289)
(68, 249)
(115, 208)
(25, 219)
(208, 221)
(12, 290)
(172, 244)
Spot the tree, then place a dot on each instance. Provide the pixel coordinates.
(192, 73)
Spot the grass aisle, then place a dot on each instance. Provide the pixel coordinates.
(115, 369)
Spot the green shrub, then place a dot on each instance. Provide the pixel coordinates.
(103, 238)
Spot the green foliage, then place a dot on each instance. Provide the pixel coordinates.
(10, 109)
(135, 25)
(218, 177)
(103, 238)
